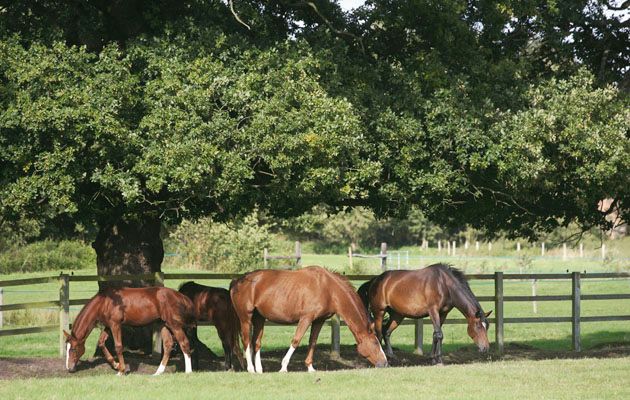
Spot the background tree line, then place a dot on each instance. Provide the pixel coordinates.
(118, 118)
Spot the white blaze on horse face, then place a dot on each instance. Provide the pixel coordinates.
(67, 355)
(485, 325)
(160, 370)
(188, 363)
(286, 359)
(382, 352)
(248, 357)
(258, 363)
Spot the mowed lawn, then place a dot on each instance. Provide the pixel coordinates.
(548, 379)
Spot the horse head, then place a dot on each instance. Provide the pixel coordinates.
(478, 326)
(370, 348)
(74, 350)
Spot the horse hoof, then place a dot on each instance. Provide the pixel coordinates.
(311, 369)
(283, 370)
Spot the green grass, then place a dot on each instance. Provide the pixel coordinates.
(549, 379)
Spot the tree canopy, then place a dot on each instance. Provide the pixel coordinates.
(506, 115)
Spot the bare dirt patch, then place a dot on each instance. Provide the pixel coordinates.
(16, 368)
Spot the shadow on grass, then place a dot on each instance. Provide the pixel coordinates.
(601, 344)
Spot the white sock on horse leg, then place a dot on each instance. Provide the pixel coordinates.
(310, 368)
(248, 357)
(188, 363)
(258, 363)
(286, 359)
(160, 370)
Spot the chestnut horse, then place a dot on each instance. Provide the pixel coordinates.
(307, 296)
(433, 291)
(215, 305)
(113, 307)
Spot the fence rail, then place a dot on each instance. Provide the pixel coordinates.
(499, 299)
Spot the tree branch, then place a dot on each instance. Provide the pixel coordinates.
(236, 15)
(331, 27)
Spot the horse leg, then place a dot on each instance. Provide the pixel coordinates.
(167, 346)
(436, 350)
(378, 324)
(303, 325)
(101, 344)
(316, 327)
(117, 335)
(394, 321)
(225, 342)
(259, 327)
(195, 344)
(184, 344)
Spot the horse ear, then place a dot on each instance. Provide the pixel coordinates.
(488, 313)
(66, 334)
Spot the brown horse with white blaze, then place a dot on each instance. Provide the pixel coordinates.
(307, 296)
(432, 291)
(134, 307)
(214, 305)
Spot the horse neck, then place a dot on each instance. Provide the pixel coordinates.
(86, 320)
(464, 300)
(349, 306)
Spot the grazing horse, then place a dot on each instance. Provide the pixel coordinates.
(433, 291)
(307, 296)
(113, 307)
(215, 305)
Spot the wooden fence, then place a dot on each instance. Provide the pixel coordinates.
(499, 298)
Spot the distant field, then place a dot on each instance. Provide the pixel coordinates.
(548, 379)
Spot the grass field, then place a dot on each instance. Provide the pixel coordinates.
(548, 379)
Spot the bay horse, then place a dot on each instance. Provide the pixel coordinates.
(432, 291)
(307, 296)
(113, 307)
(214, 305)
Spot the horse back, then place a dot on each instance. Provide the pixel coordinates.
(209, 302)
(283, 296)
(411, 293)
(142, 306)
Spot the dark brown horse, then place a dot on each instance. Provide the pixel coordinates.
(307, 296)
(432, 291)
(214, 305)
(134, 307)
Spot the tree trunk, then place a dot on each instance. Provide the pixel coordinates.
(130, 247)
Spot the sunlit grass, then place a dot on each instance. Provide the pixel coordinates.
(557, 379)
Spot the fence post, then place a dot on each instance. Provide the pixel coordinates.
(298, 254)
(603, 251)
(1, 303)
(350, 257)
(64, 311)
(498, 309)
(575, 314)
(157, 338)
(419, 332)
(542, 249)
(383, 256)
(265, 255)
(335, 336)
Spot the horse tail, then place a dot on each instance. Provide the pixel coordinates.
(364, 293)
(234, 325)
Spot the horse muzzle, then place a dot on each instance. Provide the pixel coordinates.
(484, 348)
(381, 364)
(73, 369)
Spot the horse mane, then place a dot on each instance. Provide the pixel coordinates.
(350, 289)
(460, 277)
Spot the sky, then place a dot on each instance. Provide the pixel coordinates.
(350, 4)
